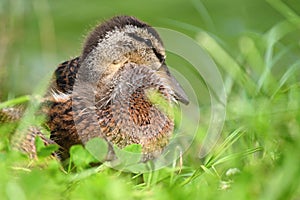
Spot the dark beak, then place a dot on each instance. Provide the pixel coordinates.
(180, 95)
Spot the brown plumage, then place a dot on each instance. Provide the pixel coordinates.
(23, 139)
(105, 92)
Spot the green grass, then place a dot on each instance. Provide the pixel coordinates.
(256, 47)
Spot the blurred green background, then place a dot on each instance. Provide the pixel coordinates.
(36, 35)
(255, 44)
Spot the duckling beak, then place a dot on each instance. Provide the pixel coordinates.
(179, 93)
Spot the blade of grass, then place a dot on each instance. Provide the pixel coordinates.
(202, 10)
(290, 72)
(15, 101)
(219, 151)
(226, 61)
(212, 160)
(285, 11)
(252, 55)
(276, 33)
(238, 155)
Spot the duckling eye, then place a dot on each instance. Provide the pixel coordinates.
(148, 42)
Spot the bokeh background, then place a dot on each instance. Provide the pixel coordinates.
(255, 44)
(36, 35)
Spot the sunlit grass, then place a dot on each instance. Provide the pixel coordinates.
(256, 157)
